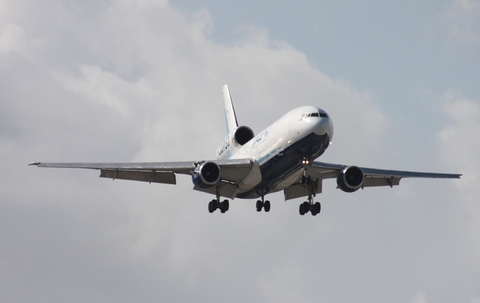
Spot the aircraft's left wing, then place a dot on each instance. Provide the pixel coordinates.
(352, 178)
(234, 171)
(373, 176)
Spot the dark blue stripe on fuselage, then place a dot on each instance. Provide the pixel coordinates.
(287, 162)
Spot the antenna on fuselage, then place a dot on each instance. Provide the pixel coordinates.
(230, 117)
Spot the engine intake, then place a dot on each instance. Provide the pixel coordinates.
(350, 179)
(206, 175)
(234, 141)
(243, 134)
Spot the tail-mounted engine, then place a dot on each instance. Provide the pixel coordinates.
(206, 175)
(350, 179)
(235, 140)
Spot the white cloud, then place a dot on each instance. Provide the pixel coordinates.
(12, 39)
(102, 87)
(462, 18)
(460, 140)
(420, 297)
(460, 147)
(467, 5)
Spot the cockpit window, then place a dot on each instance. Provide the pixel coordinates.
(317, 114)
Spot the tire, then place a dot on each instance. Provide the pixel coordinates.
(259, 206)
(211, 207)
(267, 206)
(306, 206)
(301, 210)
(226, 205)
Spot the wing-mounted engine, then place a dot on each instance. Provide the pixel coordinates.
(206, 175)
(234, 141)
(350, 179)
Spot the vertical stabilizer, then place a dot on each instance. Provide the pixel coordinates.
(230, 117)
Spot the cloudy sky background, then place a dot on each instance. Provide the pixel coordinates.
(141, 81)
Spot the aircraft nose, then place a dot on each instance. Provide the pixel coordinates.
(324, 126)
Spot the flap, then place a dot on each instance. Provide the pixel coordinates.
(298, 190)
(145, 176)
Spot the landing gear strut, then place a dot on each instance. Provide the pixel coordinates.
(216, 204)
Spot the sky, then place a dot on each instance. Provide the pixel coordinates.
(123, 81)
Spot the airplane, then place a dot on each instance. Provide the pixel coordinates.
(280, 158)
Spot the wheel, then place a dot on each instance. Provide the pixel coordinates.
(259, 206)
(212, 206)
(306, 206)
(226, 205)
(315, 209)
(266, 206)
(223, 207)
(301, 210)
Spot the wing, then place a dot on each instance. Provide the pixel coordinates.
(233, 172)
(327, 171)
(352, 178)
(158, 172)
(320, 170)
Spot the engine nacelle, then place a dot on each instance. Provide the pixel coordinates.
(233, 141)
(350, 179)
(206, 175)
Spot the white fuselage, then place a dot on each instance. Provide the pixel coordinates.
(302, 134)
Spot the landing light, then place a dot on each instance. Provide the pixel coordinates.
(306, 161)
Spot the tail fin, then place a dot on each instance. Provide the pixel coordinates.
(230, 117)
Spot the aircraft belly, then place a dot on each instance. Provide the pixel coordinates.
(281, 169)
(252, 179)
(288, 181)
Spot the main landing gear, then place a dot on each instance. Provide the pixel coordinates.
(263, 204)
(309, 206)
(216, 204)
